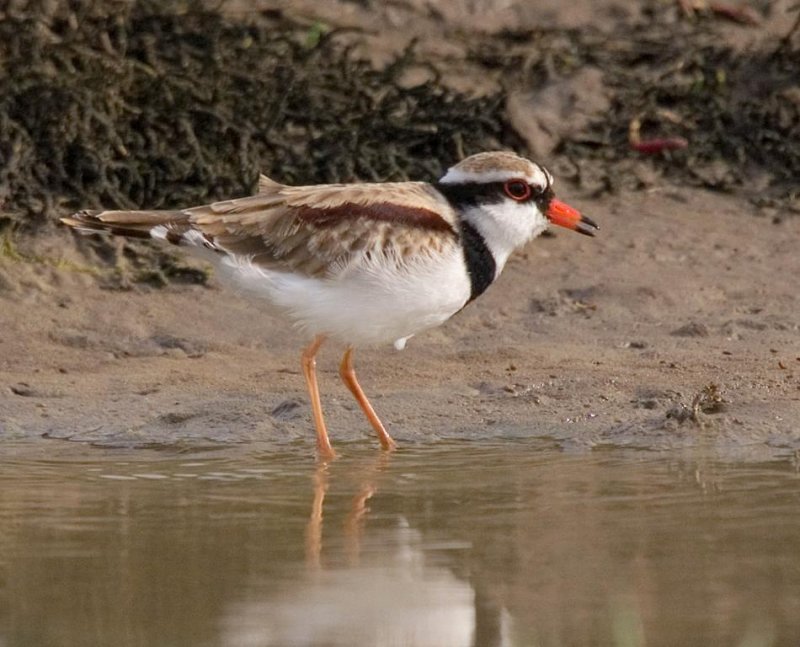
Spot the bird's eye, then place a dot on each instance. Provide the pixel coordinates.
(517, 189)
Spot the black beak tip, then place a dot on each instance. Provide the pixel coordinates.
(587, 226)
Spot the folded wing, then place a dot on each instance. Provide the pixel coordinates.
(313, 230)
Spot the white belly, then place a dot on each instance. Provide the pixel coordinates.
(373, 303)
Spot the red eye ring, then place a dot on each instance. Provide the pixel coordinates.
(518, 190)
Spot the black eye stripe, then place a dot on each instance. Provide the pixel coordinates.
(472, 194)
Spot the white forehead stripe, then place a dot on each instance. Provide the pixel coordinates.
(537, 176)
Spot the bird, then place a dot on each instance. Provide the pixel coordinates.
(363, 263)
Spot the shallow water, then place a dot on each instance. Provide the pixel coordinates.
(466, 543)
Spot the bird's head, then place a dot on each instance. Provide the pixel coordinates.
(508, 199)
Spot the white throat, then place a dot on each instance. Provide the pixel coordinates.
(505, 227)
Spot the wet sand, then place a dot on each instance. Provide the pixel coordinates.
(678, 325)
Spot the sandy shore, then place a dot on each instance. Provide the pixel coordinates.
(613, 340)
(677, 326)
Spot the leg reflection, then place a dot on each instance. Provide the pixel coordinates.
(314, 525)
(354, 522)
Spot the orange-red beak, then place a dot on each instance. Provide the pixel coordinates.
(561, 214)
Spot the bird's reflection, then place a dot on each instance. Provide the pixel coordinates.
(397, 592)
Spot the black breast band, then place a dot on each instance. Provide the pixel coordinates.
(481, 265)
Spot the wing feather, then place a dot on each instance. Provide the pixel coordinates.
(320, 230)
(313, 230)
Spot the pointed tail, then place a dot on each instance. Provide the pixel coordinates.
(163, 225)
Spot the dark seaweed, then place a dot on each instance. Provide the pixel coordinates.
(144, 104)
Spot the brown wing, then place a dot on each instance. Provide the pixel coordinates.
(320, 230)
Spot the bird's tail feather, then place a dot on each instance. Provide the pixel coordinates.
(164, 225)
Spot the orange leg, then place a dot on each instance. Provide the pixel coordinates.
(310, 371)
(348, 376)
